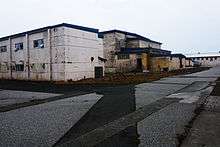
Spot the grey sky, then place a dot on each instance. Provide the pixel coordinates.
(187, 26)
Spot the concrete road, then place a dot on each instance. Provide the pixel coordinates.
(148, 114)
(205, 130)
(43, 125)
(9, 97)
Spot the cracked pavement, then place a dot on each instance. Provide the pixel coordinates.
(148, 114)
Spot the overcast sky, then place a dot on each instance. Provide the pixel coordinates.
(187, 26)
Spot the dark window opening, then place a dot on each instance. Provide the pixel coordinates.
(165, 69)
(39, 43)
(215, 58)
(19, 67)
(98, 72)
(3, 49)
(207, 58)
(44, 66)
(123, 56)
(19, 46)
(139, 65)
(92, 59)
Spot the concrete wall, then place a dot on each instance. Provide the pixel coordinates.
(188, 63)
(58, 53)
(184, 62)
(158, 64)
(39, 57)
(19, 57)
(133, 44)
(5, 61)
(66, 55)
(143, 44)
(112, 43)
(80, 47)
(145, 61)
(36, 61)
(175, 63)
(126, 65)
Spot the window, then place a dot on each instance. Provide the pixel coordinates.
(38, 67)
(13, 67)
(39, 43)
(123, 56)
(19, 46)
(19, 67)
(3, 49)
(215, 58)
(193, 58)
(198, 58)
(3, 67)
(202, 58)
(207, 58)
(211, 59)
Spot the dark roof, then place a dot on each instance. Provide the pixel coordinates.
(152, 51)
(133, 50)
(178, 55)
(131, 34)
(50, 27)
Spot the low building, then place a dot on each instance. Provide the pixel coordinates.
(128, 52)
(160, 64)
(189, 62)
(206, 59)
(140, 59)
(177, 61)
(55, 53)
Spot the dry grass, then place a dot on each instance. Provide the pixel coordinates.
(133, 78)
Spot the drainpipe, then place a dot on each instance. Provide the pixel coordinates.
(10, 57)
(50, 52)
(28, 55)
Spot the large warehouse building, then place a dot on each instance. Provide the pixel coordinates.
(61, 52)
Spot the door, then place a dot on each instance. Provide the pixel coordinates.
(181, 63)
(139, 65)
(98, 72)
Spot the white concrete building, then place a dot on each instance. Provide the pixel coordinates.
(206, 59)
(61, 52)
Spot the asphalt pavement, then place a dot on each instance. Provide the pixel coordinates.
(148, 114)
(205, 130)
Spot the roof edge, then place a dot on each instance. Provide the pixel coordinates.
(132, 34)
(87, 29)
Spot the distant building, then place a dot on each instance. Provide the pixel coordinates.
(206, 59)
(128, 52)
(55, 53)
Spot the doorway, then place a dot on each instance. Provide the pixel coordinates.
(98, 72)
(139, 65)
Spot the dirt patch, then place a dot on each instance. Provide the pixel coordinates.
(133, 78)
